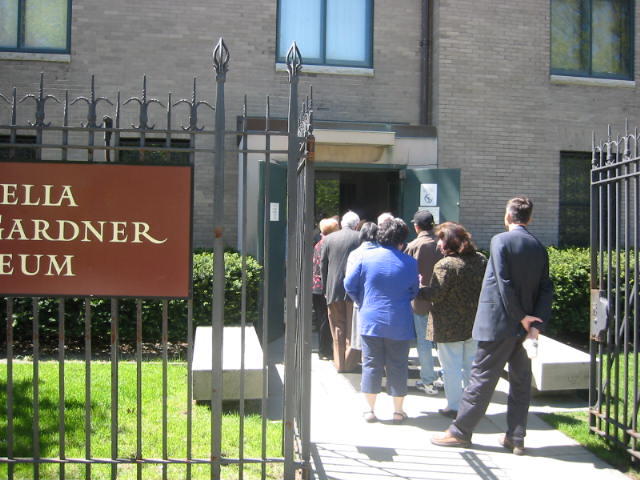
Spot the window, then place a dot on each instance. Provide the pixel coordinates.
(35, 25)
(327, 32)
(155, 156)
(592, 38)
(575, 194)
(18, 154)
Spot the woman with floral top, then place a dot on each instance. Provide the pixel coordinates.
(454, 291)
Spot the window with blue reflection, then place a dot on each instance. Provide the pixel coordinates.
(327, 32)
(35, 25)
(592, 38)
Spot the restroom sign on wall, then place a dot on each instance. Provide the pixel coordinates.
(428, 194)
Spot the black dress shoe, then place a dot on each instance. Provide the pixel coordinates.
(509, 444)
(447, 412)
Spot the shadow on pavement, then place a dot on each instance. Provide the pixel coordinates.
(347, 462)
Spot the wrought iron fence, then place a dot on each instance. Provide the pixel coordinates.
(107, 140)
(615, 236)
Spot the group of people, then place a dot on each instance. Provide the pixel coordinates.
(379, 294)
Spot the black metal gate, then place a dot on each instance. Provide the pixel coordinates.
(614, 394)
(43, 451)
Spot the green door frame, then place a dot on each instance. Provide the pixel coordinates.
(448, 193)
(448, 181)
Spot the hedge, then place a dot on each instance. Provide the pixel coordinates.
(569, 270)
(151, 309)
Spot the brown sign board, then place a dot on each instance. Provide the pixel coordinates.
(79, 229)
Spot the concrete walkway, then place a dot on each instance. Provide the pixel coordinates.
(345, 447)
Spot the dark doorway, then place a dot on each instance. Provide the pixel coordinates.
(366, 192)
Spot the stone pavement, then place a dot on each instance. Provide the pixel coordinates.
(345, 447)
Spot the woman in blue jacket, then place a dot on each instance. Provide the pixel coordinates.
(382, 283)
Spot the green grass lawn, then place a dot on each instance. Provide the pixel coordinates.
(576, 426)
(101, 422)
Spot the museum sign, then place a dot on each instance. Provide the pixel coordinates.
(78, 229)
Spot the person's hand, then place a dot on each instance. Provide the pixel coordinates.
(533, 333)
(530, 343)
(528, 320)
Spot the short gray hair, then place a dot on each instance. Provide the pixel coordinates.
(384, 216)
(350, 220)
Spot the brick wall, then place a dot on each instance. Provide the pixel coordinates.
(499, 116)
(501, 119)
(171, 42)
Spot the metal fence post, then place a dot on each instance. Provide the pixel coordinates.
(307, 284)
(294, 65)
(221, 65)
(615, 262)
(138, 144)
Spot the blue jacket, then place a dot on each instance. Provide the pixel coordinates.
(382, 282)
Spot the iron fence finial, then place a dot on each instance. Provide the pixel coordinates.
(14, 106)
(221, 58)
(294, 61)
(144, 107)
(92, 102)
(193, 109)
(40, 100)
(627, 148)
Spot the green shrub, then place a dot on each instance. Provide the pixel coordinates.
(151, 310)
(202, 288)
(569, 270)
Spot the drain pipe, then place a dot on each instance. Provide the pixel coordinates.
(426, 63)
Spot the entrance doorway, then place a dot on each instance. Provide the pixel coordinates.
(366, 192)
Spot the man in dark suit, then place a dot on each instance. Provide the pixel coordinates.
(514, 302)
(333, 263)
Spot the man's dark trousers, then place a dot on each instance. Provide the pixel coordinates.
(325, 342)
(485, 373)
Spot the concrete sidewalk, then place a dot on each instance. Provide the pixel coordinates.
(345, 447)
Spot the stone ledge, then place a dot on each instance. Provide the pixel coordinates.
(330, 70)
(559, 367)
(591, 81)
(253, 362)
(36, 57)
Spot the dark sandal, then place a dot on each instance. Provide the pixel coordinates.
(370, 417)
(399, 417)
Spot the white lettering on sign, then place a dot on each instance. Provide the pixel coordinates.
(41, 195)
(69, 231)
(32, 265)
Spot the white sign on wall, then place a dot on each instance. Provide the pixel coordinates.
(428, 194)
(274, 211)
(435, 211)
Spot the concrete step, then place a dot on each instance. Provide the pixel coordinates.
(231, 371)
